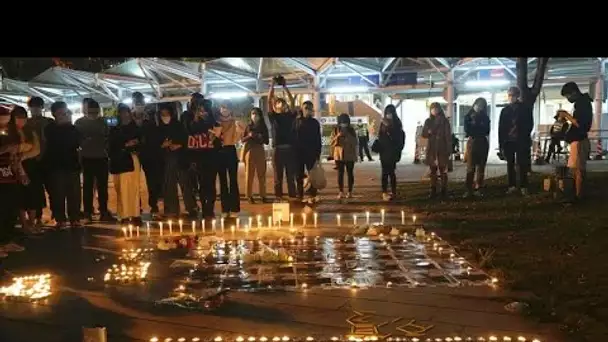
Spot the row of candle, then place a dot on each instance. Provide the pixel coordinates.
(130, 229)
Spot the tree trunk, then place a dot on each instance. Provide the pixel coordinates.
(530, 94)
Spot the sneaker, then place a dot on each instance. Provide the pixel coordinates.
(279, 199)
(76, 224)
(524, 192)
(61, 225)
(511, 190)
(137, 221)
(349, 195)
(264, 200)
(107, 217)
(225, 215)
(233, 214)
(386, 197)
(467, 195)
(250, 200)
(340, 195)
(477, 194)
(87, 218)
(13, 247)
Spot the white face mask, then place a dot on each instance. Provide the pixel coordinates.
(477, 108)
(165, 119)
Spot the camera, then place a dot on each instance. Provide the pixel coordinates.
(280, 80)
(111, 121)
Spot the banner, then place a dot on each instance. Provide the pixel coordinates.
(333, 120)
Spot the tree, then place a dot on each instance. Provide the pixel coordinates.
(530, 94)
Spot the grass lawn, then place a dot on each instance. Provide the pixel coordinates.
(557, 254)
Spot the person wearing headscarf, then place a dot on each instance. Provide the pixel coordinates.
(172, 135)
(476, 129)
(125, 166)
(390, 143)
(308, 147)
(253, 153)
(344, 141)
(228, 161)
(438, 132)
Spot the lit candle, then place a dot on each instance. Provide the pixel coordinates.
(160, 225)
(269, 222)
(291, 220)
(382, 214)
(213, 224)
(222, 223)
(194, 227)
(303, 219)
(250, 222)
(238, 223)
(124, 230)
(315, 218)
(203, 225)
(338, 219)
(259, 219)
(367, 217)
(414, 219)
(232, 229)
(402, 217)
(170, 227)
(181, 226)
(137, 230)
(131, 231)
(148, 228)
(355, 219)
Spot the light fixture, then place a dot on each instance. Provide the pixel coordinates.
(348, 89)
(228, 95)
(487, 83)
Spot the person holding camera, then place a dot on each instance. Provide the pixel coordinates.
(94, 132)
(282, 118)
(308, 147)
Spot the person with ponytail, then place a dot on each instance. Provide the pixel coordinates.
(253, 154)
(438, 132)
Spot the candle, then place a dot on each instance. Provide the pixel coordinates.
(269, 222)
(213, 224)
(402, 217)
(232, 229)
(291, 220)
(315, 218)
(160, 225)
(338, 219)
(259, 222)
(124, 230)
(250, 222)
(131, 231)
(181, 226)
(148, 228)
(238, 223)
(222, 223)
(194, 227)
(203, 225)
(382, 214)
(414, 219)
(303, 219)
(367, 217)
(170, 227)
(355, 219)
(137, 230)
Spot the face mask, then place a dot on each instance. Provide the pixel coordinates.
(4, 120)
(36, 111)
(434, 111)
(477, 108)
(64, 119)
(344, 125)
(571, 99)
(165, 119)
(255, 118)
(20, 123)
(139, 109)
(389, 116)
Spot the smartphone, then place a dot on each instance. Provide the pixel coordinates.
(112, 121)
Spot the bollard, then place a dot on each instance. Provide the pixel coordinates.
(95, 334)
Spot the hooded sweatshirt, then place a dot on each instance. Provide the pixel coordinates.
(583, 113)
(476, 124)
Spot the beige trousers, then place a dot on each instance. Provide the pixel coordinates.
(255, 165)
(127, 191)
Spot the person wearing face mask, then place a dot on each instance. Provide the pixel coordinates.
(12, 176)
(514, 128)
(438, 132)
(282, 120)
(390, 143)
(29, 149)
(149, 151)
(125, 166)
(38, 176)
(344, 142)
(577, 136)
(254, 155)
(308, 147)
(63, 164)
(476, 129)
(94, 132)
(228, 161)
(202, 149)
(173, 137)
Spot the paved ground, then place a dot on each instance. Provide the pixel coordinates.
(78, 259)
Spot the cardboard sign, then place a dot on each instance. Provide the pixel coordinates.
(333, 120)
(280, 211)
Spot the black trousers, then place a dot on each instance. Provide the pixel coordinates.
(154, 171)
(388, 173)
(349, 167)
(206, 168)
(95, 174)
(229, 179)
(33, 193)
(175, 175)
(517, 152)
(364, 146)
(305, 164)
(65, 188)
(284, 162)
(9, 212)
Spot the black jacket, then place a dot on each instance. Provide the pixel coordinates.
(391, 141)
(476, 124)
(583, 113)
(259, 133)
(121, 160)
(308, 137)
(176, 133)
(282, 128)
(62, 144)
(200, 142)
(149, 147)
(515, 124)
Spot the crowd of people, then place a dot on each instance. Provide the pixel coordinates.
(40, 155)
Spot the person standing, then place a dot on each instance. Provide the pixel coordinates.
(307, 146)
(578, 135)
(202, 149)
(254, 155)
(344, 142)
(125, 167)
(476, 129)
(390, 143)
(363, 136)
(438, 132)
(62, 162)
(39, 177)
(94, 158)
(173, 136)
(514, 128)
(229, 161)
(282, 119)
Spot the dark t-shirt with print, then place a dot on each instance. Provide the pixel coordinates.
(283, 128)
